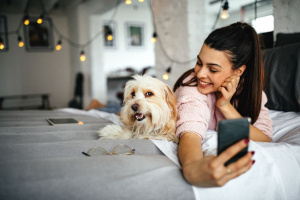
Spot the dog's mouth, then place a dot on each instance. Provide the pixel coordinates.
(139, 116)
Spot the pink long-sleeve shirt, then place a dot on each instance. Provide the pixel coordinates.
(198, 112)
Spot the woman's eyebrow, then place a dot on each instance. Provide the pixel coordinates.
(198, 57)
(209, 63)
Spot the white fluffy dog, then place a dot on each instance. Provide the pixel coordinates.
(148, 112)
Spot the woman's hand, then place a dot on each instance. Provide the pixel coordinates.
(210, 171)
(227, 90)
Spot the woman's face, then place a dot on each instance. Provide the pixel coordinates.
(212, 68)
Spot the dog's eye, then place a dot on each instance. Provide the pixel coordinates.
(149, 94)
(133, 94)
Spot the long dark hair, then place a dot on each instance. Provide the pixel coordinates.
(241, 44)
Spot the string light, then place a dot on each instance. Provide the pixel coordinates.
(1, 43)
(109, 34)
(21, 43)
(82, 56)
(58, 46)
(166, 75)
(26, 20)
(153, 39)
(224, 14)
(40, 19)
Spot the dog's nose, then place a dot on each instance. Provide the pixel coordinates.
(135, 107)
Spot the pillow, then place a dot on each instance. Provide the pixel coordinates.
(282, 73)
(287, 38)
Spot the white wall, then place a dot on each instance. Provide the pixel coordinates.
(104, 61)
(249, 15)
(23, 72)
(122, 57)
(286, 16)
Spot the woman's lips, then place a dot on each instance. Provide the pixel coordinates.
(204, 84)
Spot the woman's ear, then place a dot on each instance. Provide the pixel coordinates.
(240, 70)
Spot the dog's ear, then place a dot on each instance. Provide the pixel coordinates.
(171, 100)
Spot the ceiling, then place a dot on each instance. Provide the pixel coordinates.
(19, 6)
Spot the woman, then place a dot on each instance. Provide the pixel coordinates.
(226, 83)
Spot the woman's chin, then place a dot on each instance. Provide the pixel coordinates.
(205, 91)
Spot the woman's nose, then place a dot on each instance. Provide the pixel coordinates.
(202, 72)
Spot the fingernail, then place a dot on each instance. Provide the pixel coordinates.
(247, 141)
(253, 161)
(252, 152)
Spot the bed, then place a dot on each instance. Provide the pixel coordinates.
(40, 161)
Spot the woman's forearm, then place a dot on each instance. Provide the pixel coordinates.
(189, 148)
(230, 112)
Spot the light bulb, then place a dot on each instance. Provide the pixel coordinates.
(225, 7)
(26, 19)
(82, 56)
(58, 46)
(153, 39)
(26, 22)
(166, 76)
(128, 1)
(141, 0)
(224, 14)
(1, 45)
(39, 21)
(21, 44)
(109, 37)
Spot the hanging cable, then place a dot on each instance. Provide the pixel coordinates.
(217, 18)
(161, 44)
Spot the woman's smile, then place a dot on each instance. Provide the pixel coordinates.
(204, 84)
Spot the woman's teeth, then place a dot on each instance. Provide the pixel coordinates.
(203, 83)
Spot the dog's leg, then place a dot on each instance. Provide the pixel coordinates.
(112, 132)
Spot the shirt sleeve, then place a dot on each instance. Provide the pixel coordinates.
(193, 111)
(264, 122)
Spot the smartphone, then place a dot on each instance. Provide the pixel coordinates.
(62, 121)
(231, 131)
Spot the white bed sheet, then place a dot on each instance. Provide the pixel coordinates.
(275, 174)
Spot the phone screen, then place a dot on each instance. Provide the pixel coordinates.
(58, 121)
(230, 132)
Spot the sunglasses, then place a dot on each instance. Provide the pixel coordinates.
(120, 149)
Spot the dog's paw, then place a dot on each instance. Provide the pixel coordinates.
(112, 132)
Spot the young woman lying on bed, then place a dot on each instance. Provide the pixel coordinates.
(226, 82)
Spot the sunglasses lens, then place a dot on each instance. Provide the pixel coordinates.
(122, 149)
(97, 151)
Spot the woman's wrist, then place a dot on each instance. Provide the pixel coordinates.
(225, 108)
(229, 112)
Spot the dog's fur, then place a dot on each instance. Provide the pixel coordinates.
(148, 112)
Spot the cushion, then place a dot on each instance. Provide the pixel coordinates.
(287, 38)
(282, 72)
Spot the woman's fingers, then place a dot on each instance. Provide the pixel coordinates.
(233, 174)
(230, 152)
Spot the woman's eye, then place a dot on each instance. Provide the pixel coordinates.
(133, 94)
(213, 71)
(149, 94)
(200, 64)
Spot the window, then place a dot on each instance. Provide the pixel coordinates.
(263, 24)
